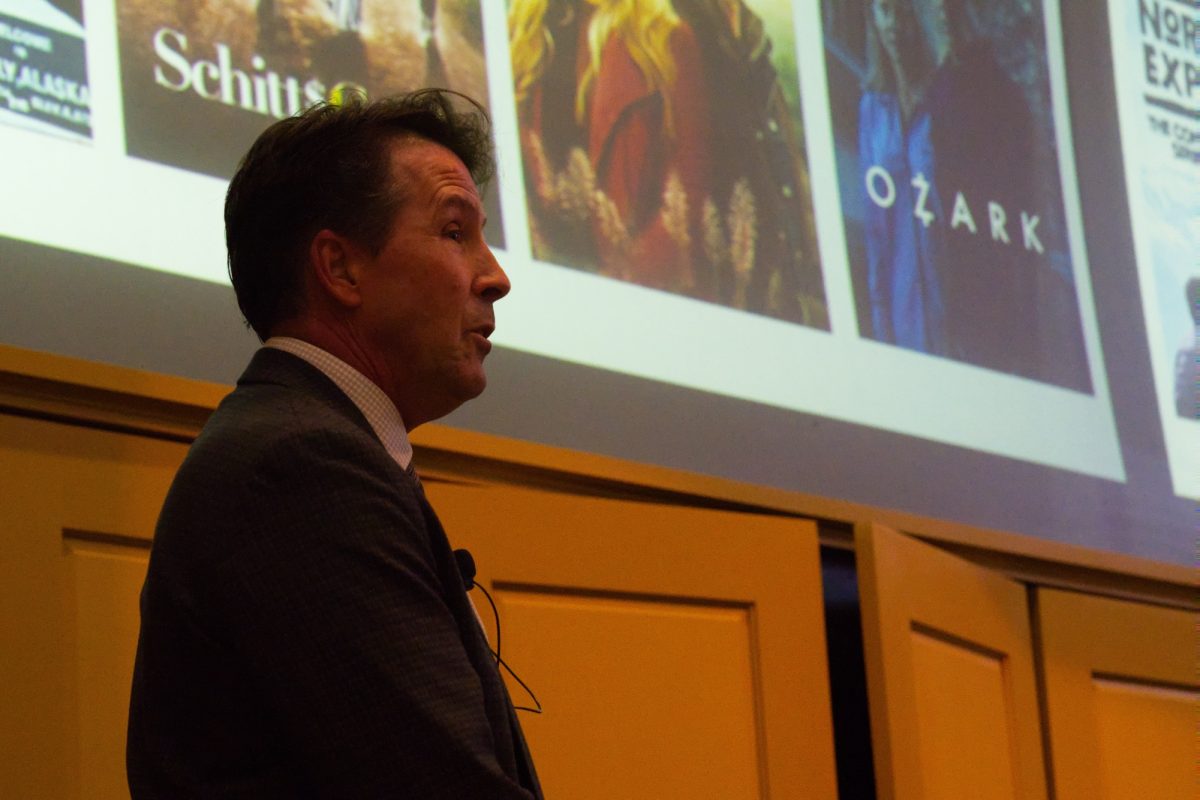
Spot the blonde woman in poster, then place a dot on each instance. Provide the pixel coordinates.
(614, 119)
(660, 148)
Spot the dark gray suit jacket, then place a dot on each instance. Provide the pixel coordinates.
(305, 631)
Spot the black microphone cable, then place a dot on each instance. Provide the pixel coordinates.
(466, 568)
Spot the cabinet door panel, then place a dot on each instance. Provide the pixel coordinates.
(1121, 697)
(677, 652)
(950, 674)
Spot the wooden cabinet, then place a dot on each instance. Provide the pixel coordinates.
(953, 652)
(1121, 697)
(950, 671)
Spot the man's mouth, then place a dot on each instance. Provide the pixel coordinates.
(481, 335)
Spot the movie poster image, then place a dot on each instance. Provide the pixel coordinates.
(1156, 61)
(663, 145)
(950, 183)
(43, 67)
(1162, 153)
(202, 78)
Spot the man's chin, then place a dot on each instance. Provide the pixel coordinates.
(473, 384)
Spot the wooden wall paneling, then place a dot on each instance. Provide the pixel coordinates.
(1121, 697)
(106, 582)
(77, 511)
(677, 652)
(950, 674)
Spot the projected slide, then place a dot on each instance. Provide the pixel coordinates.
(1156, 55)
(689, 207)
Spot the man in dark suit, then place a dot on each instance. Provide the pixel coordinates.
(305, 629)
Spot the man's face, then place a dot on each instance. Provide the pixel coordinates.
(427, 296)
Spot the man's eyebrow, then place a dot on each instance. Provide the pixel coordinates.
(464, 203)
(461, 201)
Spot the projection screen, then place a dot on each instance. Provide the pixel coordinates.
(932, 255)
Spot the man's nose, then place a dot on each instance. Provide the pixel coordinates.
(493, 282)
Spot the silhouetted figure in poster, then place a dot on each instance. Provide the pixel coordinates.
(982, 132)
(339, 59)
(1187, 360)
(895, 149)
(762, 153)
(435, 73)
(342, 57)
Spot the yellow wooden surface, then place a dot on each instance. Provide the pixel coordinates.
(678, 652)
(643, 697)
(107, 582)
(1122, 698)
(68, 613)
(950, 674)
(960, 692)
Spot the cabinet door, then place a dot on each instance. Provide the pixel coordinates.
(1121, 697)
(77, 512)
(950, 674)
(677, 652)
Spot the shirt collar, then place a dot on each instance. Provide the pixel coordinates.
(380, 411)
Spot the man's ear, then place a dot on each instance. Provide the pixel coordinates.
(336, 264)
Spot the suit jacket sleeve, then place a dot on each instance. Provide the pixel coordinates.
(340, 608)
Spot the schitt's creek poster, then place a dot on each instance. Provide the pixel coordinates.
(202, 79)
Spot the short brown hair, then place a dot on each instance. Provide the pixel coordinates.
(330, 167)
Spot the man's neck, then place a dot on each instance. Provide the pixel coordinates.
(341, 342)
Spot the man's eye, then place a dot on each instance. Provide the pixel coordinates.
(455, 234)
